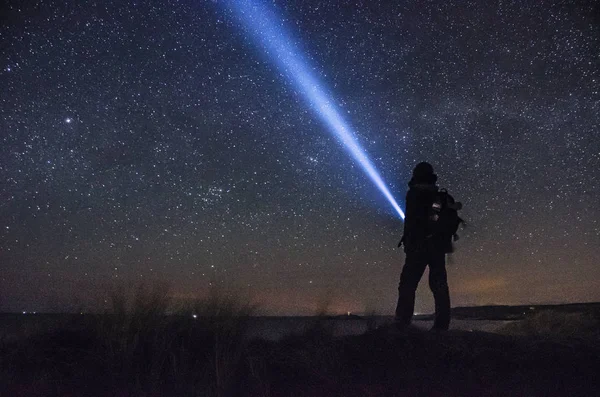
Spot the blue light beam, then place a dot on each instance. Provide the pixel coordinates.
(261, 23)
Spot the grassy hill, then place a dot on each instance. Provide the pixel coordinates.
(141, 352)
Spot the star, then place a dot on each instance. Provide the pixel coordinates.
(186, 147)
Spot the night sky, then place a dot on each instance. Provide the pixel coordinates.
(144, 141)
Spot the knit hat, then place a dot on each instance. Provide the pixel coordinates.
(423, 173)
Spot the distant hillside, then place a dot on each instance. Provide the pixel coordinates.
(519, 312)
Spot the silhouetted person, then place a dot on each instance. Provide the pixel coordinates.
(424, 246)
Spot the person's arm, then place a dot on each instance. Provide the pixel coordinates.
(415, 222)
(409, 218)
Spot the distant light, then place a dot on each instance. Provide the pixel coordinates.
(195, 315)
(24, 312)
(349, 313)
(68, 120)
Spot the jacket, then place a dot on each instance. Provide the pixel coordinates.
(419, 200)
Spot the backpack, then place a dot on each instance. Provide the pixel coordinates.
(444, 219)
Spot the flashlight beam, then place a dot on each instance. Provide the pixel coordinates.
(261, 23)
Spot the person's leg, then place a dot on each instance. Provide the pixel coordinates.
(409, 280)
(438, 282)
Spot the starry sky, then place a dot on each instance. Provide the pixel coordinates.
(155, 140)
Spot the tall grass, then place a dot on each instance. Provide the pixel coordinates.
(147, 345)
(226, 317)
(199, 344)
(134, 341)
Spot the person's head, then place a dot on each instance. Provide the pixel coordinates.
(423, 174)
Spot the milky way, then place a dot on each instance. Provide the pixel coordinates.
(154, 141)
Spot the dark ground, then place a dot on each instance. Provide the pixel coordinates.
(550, 353)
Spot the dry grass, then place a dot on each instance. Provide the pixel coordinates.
(201, 349)
(143, 345)
(226, 318)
